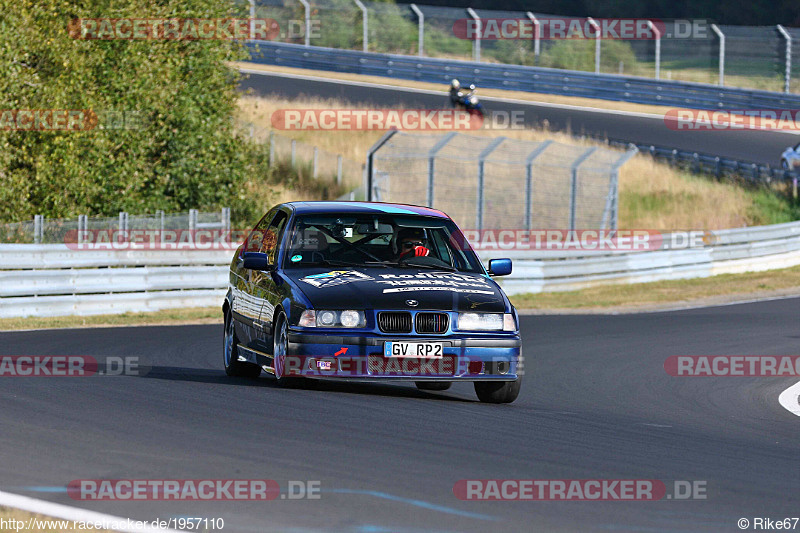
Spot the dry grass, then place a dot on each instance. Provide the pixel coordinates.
(653, 195)
(7, 514)
(167, 317)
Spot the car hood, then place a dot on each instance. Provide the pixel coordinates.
(391, 288)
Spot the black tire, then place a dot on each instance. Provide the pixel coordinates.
(234, 367)
(433, 385)
(280, 341)
(498, 391)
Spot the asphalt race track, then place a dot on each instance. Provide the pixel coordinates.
(596, 404)
(757, 146)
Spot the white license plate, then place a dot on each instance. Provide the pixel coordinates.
(420, 350)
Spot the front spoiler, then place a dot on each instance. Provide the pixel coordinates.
(361, 358)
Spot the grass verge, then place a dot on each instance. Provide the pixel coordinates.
(166, 317)
(725, 288)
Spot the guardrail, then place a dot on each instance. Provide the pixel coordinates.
(733, 251)
(521, 78)
(714, 165)
(54, 280)
(83, 282)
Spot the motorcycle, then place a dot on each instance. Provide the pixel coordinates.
(470, 103)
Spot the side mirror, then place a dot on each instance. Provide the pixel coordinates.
(256, 261)
(499, 267)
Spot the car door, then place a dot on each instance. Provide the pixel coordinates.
(245, 306)
(265, 288)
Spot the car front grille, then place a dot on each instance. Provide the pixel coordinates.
(399, 322)
(432, 322)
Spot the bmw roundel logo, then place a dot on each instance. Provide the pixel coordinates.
(412, 303)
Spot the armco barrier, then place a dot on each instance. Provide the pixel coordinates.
(521, 78)
(74, 282)
(54, 280)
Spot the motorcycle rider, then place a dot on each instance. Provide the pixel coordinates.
(455, 93)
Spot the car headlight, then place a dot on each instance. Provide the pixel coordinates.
(350, 319)
(486, 322)
(332, 319)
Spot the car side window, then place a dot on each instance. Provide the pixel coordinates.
(255, 239)
(797, 148)
(271, 239)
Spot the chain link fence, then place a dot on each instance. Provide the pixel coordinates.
(42, 230)
(499, 183)
(754, 57)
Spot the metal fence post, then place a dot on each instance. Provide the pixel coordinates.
(160, 215)
(369, 167)
(611, 210)
(529, 182)
(481, 185)
(38, 230)
(252, 20)
(420, 30)
(787, 76)
(294, 150)
(432, 164)
(721, 37)
(573, 189)
(476, 43)
(596, 27)
(536, 37)
(657, 33)
(81, 228)
(271, 148)
(338, 169)
(192, 219)
(225, 219)
(364, 23)
(123, 226)
(314, 166)
(307, 8)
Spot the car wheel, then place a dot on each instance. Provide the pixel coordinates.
(433, 385)
(280, 342)
(498, 391)
(234, 367)
(784, 164)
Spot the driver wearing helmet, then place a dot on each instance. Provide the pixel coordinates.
(411, 243)
(455, 93)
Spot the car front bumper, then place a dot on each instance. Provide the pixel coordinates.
(361, 356)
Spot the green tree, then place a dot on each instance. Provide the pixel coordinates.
(184, 152)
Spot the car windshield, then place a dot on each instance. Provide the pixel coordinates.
(379, 241)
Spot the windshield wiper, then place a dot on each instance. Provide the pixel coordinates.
(410, 264)
(332, 262)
